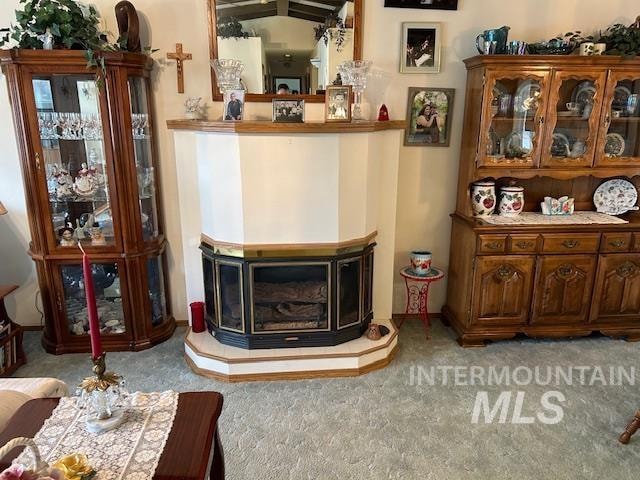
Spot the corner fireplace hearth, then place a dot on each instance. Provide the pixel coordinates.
(301, 300)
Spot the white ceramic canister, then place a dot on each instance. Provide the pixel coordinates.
(483, 198)
(511, 201)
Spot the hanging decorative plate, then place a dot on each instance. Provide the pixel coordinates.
(561, 145)
(614, 145)
(615, 197)
(527, 96)
(621, 97)
(583, 94)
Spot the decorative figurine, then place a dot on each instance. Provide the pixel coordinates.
(383, 113)
(338, 80)
(97, 239)
(194, 110)
(64, 187)
(85, 184)
(66, 237)
(373, 332)
(47, 40)
(79, 231)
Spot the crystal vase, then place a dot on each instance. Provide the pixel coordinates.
(228, 73)
(355, 73)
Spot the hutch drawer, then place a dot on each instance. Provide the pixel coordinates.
(615, 242)
(523, 243)
(570, 243)
(635, 246)
(492, 244)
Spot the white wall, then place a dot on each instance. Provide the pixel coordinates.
(427, 175)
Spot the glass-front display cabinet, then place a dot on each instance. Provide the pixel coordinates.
(87, 153)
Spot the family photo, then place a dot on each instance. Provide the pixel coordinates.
(429, 113)
(234, 105)
(338, 103)
(420, 48)
(288, 111)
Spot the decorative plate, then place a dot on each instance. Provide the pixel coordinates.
(527, 96)
(621, 97)
(583, 94)
(518, 145)
(614, 145)
(615, 197)
(433, 272)
(561, 145)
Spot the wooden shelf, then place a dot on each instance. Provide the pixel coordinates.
(264, 126)
(569, 173)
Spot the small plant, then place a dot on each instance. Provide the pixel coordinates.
(333, 28)
(231, 28)
(622, 40)
(574, 38)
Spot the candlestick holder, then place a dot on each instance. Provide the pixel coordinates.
(103, 396)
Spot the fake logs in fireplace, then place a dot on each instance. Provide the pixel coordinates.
(275, 302)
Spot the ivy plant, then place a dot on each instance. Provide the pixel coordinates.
(323, 31)
(622, 40)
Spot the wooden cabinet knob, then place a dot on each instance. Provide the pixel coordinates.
(626, 269)
(504, 272)
(494, 245)
(565, 270)
(571, 243)
(617, 243)
(524, 245)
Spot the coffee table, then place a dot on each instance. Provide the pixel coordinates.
(193, 449)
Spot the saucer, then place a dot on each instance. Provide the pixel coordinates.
(431, 273)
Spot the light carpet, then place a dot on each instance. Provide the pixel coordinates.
(380, 426)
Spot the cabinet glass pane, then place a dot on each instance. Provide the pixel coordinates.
(106, 281)
(513, 126)
(141, 133)
(209, 289)
(70, 126)
(574, 109)
(155, 279)
(623, 137)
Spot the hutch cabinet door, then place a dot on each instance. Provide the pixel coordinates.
(502, 290)
(112, 298)
(617, 290)
(157, 290)
(573, 115)
(512, 118)
(619, 139)
(563, 289)
(69, 123)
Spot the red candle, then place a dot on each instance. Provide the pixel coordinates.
(94, 323)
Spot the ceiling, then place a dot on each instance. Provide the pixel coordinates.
(312, 10)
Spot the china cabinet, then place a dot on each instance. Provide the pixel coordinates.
(556, 126)
(88, 163)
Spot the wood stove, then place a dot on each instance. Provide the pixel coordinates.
(308, 299)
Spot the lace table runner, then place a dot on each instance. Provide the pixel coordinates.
(131, 451)
(533, 218)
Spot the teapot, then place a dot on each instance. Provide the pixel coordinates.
(578, 150)
(497, 35)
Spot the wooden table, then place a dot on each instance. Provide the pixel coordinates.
(192, 447)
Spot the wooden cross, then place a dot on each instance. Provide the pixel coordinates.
(180, 57)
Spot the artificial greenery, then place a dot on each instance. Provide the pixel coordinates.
(332, 28)
(622, 40)
(231, 27)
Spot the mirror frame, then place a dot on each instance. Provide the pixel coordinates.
(358, 30)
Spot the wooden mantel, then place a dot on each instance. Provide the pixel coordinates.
(265, 126)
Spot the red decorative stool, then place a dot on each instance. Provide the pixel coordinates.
(418, 293)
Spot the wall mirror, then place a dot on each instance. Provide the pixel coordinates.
(297, 43)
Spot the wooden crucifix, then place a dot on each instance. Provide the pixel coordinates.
(179, 56)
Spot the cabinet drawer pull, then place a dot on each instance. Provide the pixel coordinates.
(504, 272)
(494, 245)
(570, 243)
(617, 243)
(626, 269)
(565, 270)
(524, 245)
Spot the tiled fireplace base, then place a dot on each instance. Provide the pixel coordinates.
(208, 357)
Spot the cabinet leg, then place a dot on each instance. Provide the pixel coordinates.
(631, 429)
(471, 342)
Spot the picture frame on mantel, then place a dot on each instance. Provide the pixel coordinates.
(421, 47)
(429, 115)
(337, 104)
(288, 110)
(423, 4)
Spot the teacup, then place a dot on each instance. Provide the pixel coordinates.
(420, 262)
(573, 106)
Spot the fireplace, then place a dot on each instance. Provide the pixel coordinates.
(269, 300)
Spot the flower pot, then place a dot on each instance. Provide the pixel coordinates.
(483, 198)
(420, 262)
(511, 201)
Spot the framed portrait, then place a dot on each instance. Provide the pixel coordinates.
(429, 113)
(427, 4)
(234, 105)
(421, 48)
(337, 103)
(289, 110)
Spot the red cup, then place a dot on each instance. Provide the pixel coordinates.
(197, 317)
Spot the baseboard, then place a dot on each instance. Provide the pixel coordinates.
(413, 316)
(32, 328)
(182, 323)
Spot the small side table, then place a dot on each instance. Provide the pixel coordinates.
(418, 293)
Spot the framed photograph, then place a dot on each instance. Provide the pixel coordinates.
(234, 105)
(426, 4)
(420, 51)
(337, 103)
(429, 115)
(288, 110)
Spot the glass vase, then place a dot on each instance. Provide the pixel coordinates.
(355, 73)
(228, 73)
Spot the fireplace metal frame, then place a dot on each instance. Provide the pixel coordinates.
(216, 280)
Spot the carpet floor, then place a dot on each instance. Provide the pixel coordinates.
(386, 425)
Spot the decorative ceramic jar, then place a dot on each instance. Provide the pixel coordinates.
(483, 198)
(420, 262)
(511, 201)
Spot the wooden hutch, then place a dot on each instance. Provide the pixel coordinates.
(546, 280)
(89, 167)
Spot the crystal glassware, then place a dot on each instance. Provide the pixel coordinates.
(355, 73)
(228, 73)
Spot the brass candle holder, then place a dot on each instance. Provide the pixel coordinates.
(101, 396)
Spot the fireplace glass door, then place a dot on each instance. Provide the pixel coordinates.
(290, 297)
(230, 296)
(349, 275)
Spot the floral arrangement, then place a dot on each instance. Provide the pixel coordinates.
(71, 467)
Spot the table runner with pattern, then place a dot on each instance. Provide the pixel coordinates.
(131, 451)
(577, 218)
